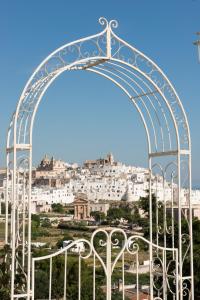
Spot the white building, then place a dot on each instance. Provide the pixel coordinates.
(76, 248)
(105, 179)
(50, 196)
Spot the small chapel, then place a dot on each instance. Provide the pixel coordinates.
(81, 207)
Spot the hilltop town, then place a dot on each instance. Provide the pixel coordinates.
(96, 185)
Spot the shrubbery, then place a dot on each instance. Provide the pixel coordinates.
(68, 225)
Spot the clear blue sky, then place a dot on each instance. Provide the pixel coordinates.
(83, 116)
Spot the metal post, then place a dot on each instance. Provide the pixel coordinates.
(172, 211)
(23, 219)
(29, 227)
(50, 278)
(7, 198)
(179, 228)
(33, 279)
(108, 43)
(79, 276)
(65, 276)
(191, 230)
(123, 281)
(94, 277)
(13, 212)
(108, 267)
(151, 229)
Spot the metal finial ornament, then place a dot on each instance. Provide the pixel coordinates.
(113, 24)
(167, 131)
(103, 21)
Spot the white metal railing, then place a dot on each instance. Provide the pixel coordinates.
(109, 250)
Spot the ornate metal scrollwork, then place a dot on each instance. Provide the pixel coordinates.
(148, 89)
(186, 288)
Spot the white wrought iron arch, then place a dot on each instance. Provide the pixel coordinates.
(107, 30)
(137, 81)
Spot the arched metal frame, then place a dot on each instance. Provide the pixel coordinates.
(162, 115)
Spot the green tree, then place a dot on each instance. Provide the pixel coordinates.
(3, 208)
(42, 280)
(36, 218)
(67, 237)
(46, 223)
(116, 213)
(57, 208)
(196, 256)
(136, 218)
(35, 224)
(144, 221)
(98, 216)
(5, 273)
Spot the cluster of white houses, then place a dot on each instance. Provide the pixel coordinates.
(101, 180)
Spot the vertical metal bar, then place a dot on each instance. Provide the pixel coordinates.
(50, 278)
(33, 279)
(11, 213)
(109, 269)
(157, 236)
(164, 212)
(177, 275)
(79, 277)
(13, 222)
(151, 229)
(7, 198)
(23, 222)
(108, 42)
(17, 216)
(137, 276)
(123, 283)
(164, 274)
(17, 232)
(29, 225)
(172, 198)
(179, 226)
(190, 224)
(65, 275)
(94, 277)
(165, 240)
